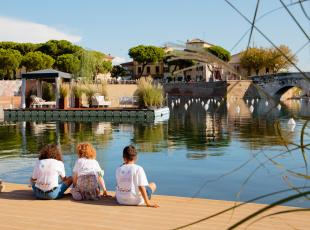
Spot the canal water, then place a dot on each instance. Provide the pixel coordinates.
(225, 151)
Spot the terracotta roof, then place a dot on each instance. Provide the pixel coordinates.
(109, 57)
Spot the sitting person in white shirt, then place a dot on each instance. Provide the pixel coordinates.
(87, 175)
(132, 186)
(48, 169)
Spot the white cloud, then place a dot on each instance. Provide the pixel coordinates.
(119, 60)
(25, 31)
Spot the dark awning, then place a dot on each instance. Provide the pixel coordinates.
(46, 74)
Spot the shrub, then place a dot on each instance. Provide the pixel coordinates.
(102, 89)
(47, 92)
(219, 52)
(148, 93)
(64, 90)
(77, 91)
(90, 91)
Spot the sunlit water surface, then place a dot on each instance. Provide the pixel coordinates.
(215, 154)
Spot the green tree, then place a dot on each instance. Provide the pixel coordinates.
(219, 52)
(93, 63)
(10, 61)
(25, 48)
(253, 58)
(101, 65)
(55, 48)
(271, 58)
(37, 60)
(275, 60)
(68, 63)
(118, 70)
(180, 64)
(85, 71)
(146, 55)
(7, 45)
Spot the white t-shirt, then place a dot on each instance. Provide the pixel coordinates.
(128, 178)
(85, 166)
(47, 173)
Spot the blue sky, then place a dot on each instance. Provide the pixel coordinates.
(115, 26)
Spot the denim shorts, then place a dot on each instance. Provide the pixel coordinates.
(53, 195)
(148, 192)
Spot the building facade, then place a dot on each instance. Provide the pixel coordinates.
(199, 72)
(235, 62)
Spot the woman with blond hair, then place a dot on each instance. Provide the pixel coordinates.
(47, 171)
(87, 174)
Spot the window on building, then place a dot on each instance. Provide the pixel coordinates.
(157, 69)
(148, 69)
(199, 68)
(139, 69)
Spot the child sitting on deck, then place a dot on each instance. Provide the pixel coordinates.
(132, 185)
(48, 168)
(87, 175)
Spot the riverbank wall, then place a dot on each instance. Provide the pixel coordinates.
(10, 91)
(196, 89)
(234, 89)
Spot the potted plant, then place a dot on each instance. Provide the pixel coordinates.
(63, 92)
(90, 91)
(103, 90)
(78, 93)
(150, 95)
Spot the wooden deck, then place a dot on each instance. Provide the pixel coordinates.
(19, 210)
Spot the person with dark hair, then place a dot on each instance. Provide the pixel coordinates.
(47, 170)
(132, 185)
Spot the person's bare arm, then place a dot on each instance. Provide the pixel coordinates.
(102, 186)
(32, 181)
(146, 199)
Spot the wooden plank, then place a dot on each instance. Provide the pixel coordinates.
(107, 214)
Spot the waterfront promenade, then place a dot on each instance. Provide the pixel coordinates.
(19, 210)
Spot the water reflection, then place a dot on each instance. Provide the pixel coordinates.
(150, 138)
(195, 129)
(198, 129)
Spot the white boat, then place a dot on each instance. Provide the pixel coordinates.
(161, 112)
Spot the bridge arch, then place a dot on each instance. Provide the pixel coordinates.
(277, 85)
(282, 91)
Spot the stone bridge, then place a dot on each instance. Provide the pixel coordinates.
(276, 85)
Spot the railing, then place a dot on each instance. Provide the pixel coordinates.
(128, 101)
(115, 81)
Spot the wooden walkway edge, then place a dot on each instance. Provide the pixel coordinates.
(19, 210)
